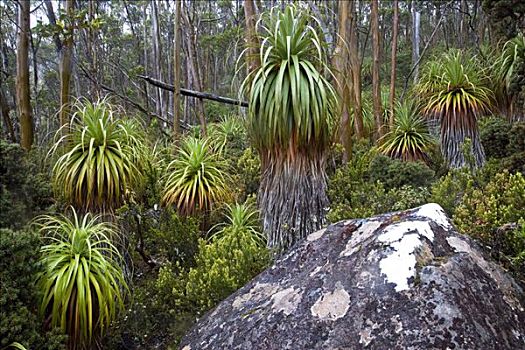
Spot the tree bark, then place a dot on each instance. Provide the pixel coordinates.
(192, 93)
(194, 71)
(376, 82)
(95, 92)
(463, 29)
(4, 108)
(4, 105)
(65, 68)
(176, 71)
(355, 64)
(52, 20)
(22, 77)
(415, 39)
(145, 58)
(393, 62)
(252, 56)
(157, 63)
(340, 62)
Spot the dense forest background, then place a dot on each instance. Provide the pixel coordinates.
(134, 126)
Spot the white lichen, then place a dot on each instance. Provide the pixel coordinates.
(258, 292)
(395, 232)
(332, 305)
(435, 213)
(365, 231)
(316, 235)
(403, 238)
(286, 301)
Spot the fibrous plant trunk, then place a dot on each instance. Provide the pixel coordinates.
(292, 197)
(457, 137)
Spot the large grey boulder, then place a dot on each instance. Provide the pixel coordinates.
(404, 280)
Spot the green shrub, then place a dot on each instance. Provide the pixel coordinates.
(230, 259)
(160, 235)
(19, 268)
(494, 134)
(484, 213)
(356, 199)
(24, 190)
(371, 184)
(517, 138)
(365, 199)
(437, 162)
(515, 163)
(482, 210)
(152, 319)
(222, 267)
(396, 173)
(449, 190)
(176, 237)
(249, 172)
(407, 197)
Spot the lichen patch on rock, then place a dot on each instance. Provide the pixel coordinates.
(258, 292)
(331, 305)
(316, 235)
(364, 232)
(403, 238)
(286, 301)
(434, 212)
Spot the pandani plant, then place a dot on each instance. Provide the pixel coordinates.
(99, 156)
(453, 88)
(197, 177)
(409, 139)
(82, 283)
(290, 117)
(508, 70)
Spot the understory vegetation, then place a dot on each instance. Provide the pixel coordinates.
(120, 228)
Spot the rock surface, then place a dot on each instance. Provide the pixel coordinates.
(404, 280)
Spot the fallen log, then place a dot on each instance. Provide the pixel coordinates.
(192, 93)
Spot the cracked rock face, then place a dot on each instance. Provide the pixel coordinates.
(404, 280)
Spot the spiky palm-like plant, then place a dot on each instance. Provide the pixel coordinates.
(230, 129)
(82, 283)
(242, 219)
(508, 69)
(197, 178)
(410, 139)
(290, 114)
(98, 158)
(453, 88)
